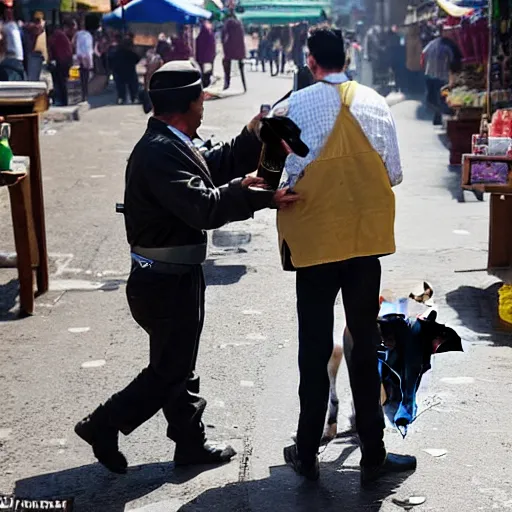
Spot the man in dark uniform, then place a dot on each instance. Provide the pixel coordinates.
(173, 194)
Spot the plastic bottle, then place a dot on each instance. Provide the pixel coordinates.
(6, 155)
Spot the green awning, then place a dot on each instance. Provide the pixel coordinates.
(285, 4)
(281, 16)
(213, 6)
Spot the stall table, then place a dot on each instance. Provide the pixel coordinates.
(459, 129)
(500, 219)
(20, 105)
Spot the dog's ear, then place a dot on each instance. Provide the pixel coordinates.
(424, 297)
(447, 341)
(432, 316)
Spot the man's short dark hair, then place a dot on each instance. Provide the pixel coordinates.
(178, 103)
(328, 48)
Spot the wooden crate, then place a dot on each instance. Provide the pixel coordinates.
(493, 188)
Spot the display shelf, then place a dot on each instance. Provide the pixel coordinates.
(493, 188)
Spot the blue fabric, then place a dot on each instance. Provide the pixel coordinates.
(141, 261)
(404, 357)
(183, 137)
(157, 11)
(474, 4)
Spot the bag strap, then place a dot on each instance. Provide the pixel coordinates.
(348, 91)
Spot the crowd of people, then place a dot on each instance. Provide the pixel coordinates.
(413, 60)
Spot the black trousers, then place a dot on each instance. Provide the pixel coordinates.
(60, 82)
(127, 80)
(226, 63)
(84, 82)
(317, 289)
(170, 308)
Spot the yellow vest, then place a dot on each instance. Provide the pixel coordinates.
(347, 207)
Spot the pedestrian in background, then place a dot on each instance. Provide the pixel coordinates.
(153, 62)
(11, 69)
(205, 51)
(123, 62)
(437, 59)
(60, 53)
(164, 48)
(127, 69)
(264, 50)
(180, 44)
(233, 44)
(276, 48)
(414, 49)
(35, 48)
(300, 36)
(84, 50)
(13, 38)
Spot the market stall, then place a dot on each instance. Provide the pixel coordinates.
(465, 94)
(488, 166)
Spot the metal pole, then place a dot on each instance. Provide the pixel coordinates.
(123, 17)
(489, 60)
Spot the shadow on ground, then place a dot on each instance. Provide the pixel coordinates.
(477, 310)
(453, 181)
(423, 113)
(8, 294)
(338, 489)
(94, 489)
(222, 275)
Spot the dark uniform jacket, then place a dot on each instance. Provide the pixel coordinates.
(172, 197)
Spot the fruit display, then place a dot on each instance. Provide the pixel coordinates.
(463, 96)
(501, 125)
(471, 76)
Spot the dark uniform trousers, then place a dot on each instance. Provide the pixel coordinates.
(170, 308)
(317, 289)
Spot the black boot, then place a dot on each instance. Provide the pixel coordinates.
(242, 74)
(309, 471)
(392, 464)
(96, 431)
(188, 453)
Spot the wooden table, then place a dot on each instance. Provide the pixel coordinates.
(26, 241)
(460, 132)
(27, 204)
(500, 217)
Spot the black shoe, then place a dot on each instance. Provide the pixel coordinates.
(392, 464)
(309, 471)
(206, 453)
(104, 442)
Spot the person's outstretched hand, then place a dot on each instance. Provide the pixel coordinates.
(283, 198)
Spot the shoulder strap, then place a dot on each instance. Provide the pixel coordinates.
(347, 92)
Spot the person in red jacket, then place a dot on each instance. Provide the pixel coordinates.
(60, 53)
(233, 43)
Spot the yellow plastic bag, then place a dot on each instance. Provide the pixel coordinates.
(505, 303)
(74, 73)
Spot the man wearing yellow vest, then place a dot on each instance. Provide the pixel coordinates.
(333, 238)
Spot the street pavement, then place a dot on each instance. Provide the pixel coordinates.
(248, 356)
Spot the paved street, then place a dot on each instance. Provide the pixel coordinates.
(248, 361)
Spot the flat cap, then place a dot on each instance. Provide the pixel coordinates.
(175, 75)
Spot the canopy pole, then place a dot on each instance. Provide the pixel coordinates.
(489, 60)
(123, 17)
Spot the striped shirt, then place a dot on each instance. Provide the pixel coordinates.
(438, 58)
(315, 110)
